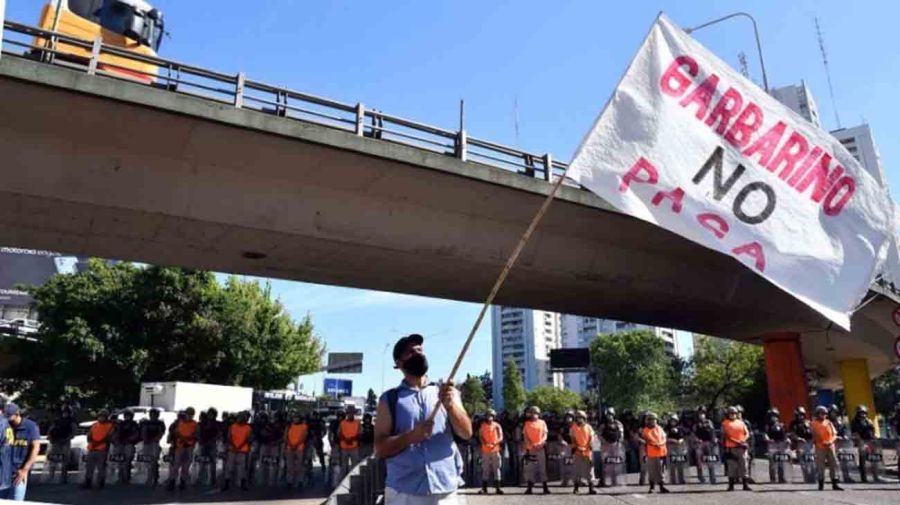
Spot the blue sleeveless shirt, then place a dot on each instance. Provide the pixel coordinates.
(433, 466)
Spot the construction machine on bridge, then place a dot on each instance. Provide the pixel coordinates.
(132, 25)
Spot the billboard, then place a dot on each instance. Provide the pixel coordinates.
(20, 267)
(337, 388)
(345, 362)
(570, 359)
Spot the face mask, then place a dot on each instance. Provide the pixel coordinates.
(416, 365)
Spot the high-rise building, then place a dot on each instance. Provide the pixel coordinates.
(525, 337)
(798, 98)
(860, 142)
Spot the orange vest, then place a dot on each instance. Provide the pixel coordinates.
(239, 438)
(824, 433)
(582, 436)
(98, 436)
(535, 433)
(296, 437)
(349, 434)
(186, 434)
(491, 435)
(735, 433)
(656, 442)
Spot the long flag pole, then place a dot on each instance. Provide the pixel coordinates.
(503, 274)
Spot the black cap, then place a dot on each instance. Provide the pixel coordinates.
(403, 343)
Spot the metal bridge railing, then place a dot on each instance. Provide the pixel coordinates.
(55, 48)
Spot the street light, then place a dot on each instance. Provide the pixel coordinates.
(755, 33)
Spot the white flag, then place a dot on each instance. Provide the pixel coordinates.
(689, 144)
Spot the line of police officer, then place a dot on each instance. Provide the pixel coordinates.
(274, 448)
(821, 443)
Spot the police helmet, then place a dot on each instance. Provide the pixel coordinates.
(740, 409)
(491, 413)
(774, 412)
(154, 413)
(570, 413)
(800, 411)
(821, 410)
(580, 414)
(190, 411)
(610, 412)
(731, 410)
(103, 413)
(862, 409)
(533, 409)
(128, 414)
(833, 408)
(674, 418)
(650, 415)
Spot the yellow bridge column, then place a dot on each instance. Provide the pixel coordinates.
(858, 387)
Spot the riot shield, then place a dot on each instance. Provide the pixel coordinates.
(780, 467)
(613, 457)
(678, 460)
(806, 455)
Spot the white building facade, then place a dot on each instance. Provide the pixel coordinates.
(525, 337)
(798, 98)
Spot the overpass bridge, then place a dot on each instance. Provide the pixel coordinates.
(209, 170)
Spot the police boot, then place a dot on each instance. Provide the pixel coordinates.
(577, 485)
(225, 485)
(243, 484)
(745, 483)
(483, 488)
(862, 474)
(182, 486)
(821, 484)
(86, 484)
(497, 488)
(591, 489)
(171, 485)
(528, 488)
(662, 489)
(731, 484)
(651, 488)
(834, 485)
(101, 483)
(546, 488)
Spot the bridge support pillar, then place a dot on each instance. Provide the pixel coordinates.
(785, 373)
(858, 387)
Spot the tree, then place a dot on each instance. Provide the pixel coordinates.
(886, 390)
(371, 401)
(487, 384)
(109, 328)
(634, 371)
(551, 399)
(473, 395)
(513, 388)
(725, 372)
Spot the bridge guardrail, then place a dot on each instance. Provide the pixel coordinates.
(20, 40)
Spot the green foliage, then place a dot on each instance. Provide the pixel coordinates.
(886, 390)
(634, 370)
(107, 329)
(513, 387)
(473, 396)
(725, 372)
(371, 401)
(551, 399)
(487, 384)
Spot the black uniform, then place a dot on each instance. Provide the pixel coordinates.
(775, 431)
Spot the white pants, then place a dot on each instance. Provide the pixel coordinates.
(392, 497)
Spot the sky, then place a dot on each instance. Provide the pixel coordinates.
(558, 61)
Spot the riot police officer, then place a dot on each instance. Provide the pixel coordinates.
(125, 437)
(675, 438)
(707, 447)
(151, 432)
(844, 444)
(801, 433)
(61, 433)
(612, 435)
(776, 440)
(863, 430)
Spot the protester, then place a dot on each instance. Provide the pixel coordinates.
(654, 438)
(825, 436)
(491, 436)
(24, 447)
(735, 435)
(421, 456)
